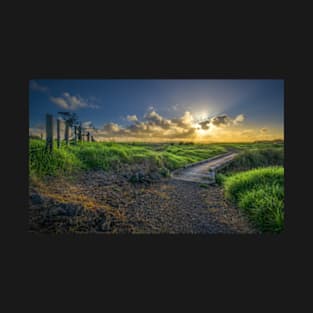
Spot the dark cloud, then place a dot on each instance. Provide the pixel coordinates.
(220, 120)
(205, 125)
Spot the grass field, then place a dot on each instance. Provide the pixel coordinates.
(108, 155)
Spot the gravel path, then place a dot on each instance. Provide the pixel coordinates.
(182, 207)
(108, 203)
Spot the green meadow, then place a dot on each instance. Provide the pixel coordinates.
(109, 155)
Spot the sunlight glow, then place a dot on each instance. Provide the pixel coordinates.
(202, 132)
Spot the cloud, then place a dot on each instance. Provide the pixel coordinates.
(153, 126)
(154, 119)
(72, 103)
(35, 86)
(239, 119)
(60, 102)
(132, 118)
(87, 124)
(111, 128)
(185, 121)
(205, 125)
(221, 121)
(263, 130)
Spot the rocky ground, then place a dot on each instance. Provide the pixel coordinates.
(138, 201)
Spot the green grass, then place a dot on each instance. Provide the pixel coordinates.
(260, 194)
(109, 155)
(60, 162)
(252, 146)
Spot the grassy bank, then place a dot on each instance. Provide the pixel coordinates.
(260, 194)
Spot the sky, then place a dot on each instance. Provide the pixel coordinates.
(157, 110)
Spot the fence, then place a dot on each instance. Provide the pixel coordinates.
(79, 134)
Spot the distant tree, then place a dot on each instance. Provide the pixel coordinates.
(71, 119)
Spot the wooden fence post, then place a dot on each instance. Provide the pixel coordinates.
(66, 137)
(49, 132)
(58, 133)
(75, 134)
(79, 133)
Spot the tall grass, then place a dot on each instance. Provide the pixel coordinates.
(260, 194)
(60, 162)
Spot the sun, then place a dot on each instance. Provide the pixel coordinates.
(202, 132)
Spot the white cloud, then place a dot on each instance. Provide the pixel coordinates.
(87, 124)
(60, 102)
(111, 127)
(239, 119)
(69, 102)
(132, 118)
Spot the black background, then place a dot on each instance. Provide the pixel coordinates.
(69, 272)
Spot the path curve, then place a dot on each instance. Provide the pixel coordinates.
(199, 172)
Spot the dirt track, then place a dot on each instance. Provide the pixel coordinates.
(100, 202)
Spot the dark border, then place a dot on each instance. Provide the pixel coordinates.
(48, 269)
